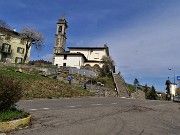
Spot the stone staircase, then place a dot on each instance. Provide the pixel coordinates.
(121, 87)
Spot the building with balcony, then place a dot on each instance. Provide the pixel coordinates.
(12, 46)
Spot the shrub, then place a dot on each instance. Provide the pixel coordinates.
(10, 92)
(152, 95)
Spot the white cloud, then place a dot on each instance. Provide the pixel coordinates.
(149, 46)
(47, 57)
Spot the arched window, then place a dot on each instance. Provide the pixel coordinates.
(60, 29)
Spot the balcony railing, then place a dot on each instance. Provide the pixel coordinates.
(9, 51)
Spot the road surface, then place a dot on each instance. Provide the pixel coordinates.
(101, 116)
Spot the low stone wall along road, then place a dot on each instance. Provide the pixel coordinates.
(101, 116)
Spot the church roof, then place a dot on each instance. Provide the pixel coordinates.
(93, 48)
(86, 47)
(62, 21)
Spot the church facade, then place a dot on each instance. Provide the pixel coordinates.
(75, 56)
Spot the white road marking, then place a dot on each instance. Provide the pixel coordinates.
(96, 104)
(33, 109)
(113, 103)
(74, 106)
(71, 106)
(123, 97)
(45, 108)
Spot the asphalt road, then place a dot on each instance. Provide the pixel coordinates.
(101, 116)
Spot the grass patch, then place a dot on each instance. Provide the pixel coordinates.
(107, 81)
(36, 86)
(131, 88)
(18, 75)
(12, 114)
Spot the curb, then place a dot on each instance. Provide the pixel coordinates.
(7, 126)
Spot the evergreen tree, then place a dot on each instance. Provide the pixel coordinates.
(136, 82)
(145, 90)
(152, 95)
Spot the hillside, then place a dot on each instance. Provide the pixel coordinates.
(37, 86)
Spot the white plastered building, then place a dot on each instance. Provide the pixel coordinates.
(76, 56)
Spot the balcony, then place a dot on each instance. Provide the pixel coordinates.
(9, 51)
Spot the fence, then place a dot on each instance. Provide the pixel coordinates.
(88, 73)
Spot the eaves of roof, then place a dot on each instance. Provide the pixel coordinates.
(66, 53)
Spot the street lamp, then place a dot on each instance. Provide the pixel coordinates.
(174, 73)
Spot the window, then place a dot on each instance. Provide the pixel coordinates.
(20, 50)
(60, 29)
(18, 60)
(64, 64)
(65, 56)
(96, 56)
(22, 41)
(6, 48)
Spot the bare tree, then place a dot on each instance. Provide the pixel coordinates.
(33, 39)
(3, 24)
(5, 28)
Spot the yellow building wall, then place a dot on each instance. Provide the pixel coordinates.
(15, 42)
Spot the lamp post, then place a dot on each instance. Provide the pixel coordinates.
(174, 73)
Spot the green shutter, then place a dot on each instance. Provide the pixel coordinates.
(16, 59)
(23, 51)
(17, 49)
(3, 47)
(9, 48)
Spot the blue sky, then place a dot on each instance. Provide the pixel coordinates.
(143, 35)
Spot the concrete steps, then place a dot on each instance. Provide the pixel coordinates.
(122, 90)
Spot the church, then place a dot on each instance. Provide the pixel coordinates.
(75, 56)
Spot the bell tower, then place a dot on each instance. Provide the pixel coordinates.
(60, 37)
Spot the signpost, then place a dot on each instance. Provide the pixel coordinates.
(178, 78)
